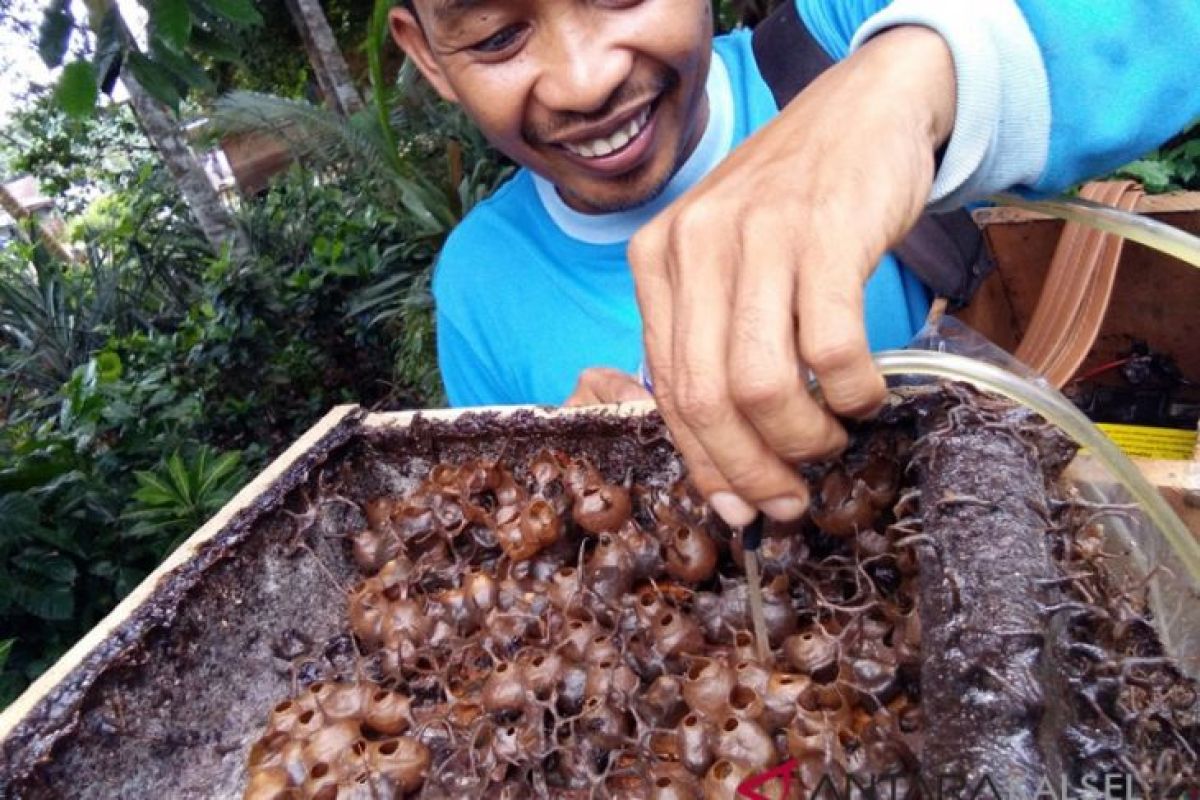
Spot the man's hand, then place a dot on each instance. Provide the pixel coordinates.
(756, 275)
(599, 385)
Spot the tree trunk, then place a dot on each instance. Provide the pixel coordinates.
(333, 76)
(214, 219)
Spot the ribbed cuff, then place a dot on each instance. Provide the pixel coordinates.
(1001, 134)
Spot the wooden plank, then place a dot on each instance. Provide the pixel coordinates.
(185, 552)
(1153, 299)
(1179, 483)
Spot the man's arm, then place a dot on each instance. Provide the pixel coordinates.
(757, 274)
(1123, 79)
(1053, 92)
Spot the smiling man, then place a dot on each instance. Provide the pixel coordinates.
(668, 213)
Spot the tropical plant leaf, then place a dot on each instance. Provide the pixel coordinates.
(20, 514)
(377, 32)
(242, 12)
(220, 474)
(153, 490)
(182, 66)
(59, 539)
(47, 564)
(48, 602)
(153, 79)
(171, 20)
(312, 133)
(182, 493)
(6, 646)
(214, 46)
(1155, 175)
(109, 366)
(181, 479)
(35, 472)
(76, 91)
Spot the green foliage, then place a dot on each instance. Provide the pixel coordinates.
(77, 90)
(1174, 167)
(62, 488)
(238, 11)
(184, 35)
(418, 165)
(171, 22)
(141, 385)
(76, 160)
(52, 319)
(179, 496)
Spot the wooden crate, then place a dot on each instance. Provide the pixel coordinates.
(1155, 298)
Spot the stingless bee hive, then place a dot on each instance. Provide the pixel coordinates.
(533, 604)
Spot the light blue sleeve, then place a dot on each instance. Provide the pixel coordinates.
(1124, 77)
(1052, 92)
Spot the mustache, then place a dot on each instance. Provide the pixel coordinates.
(624, 95)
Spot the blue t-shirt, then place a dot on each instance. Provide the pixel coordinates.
(530, 293)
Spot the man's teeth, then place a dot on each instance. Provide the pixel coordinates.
(606, 146)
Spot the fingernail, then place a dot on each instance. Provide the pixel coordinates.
(783, 509)
(733, 509)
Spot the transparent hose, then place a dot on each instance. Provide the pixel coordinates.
(1136, 227)
(1058, 410)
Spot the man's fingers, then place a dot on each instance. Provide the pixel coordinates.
(833, 334)
(648, 258)
(702, 473)
(766, 381)
(700, 388)
(600, 385)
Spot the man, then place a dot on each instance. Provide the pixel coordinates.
(756, 239)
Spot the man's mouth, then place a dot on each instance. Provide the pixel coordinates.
(613, 143)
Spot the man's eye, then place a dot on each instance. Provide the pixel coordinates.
(500, 41)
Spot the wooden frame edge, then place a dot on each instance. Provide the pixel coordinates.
(62, 668)
(384, 420)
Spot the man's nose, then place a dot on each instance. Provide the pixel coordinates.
(581, 70)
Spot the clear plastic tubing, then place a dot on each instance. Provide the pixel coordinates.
(1136, 227)
(1058, 410)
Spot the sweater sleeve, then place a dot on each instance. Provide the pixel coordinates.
(1002, 107)
(1053, 92)
(1124, 77)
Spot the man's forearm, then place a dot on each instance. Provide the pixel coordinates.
(1002, 111)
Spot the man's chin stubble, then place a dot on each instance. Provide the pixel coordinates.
(617, 205)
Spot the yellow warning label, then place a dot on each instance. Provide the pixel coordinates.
(1146, 442)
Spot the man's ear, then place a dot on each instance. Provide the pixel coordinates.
(410, 36)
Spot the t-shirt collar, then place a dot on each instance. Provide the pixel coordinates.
(620, 226)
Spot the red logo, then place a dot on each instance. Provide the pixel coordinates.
(783, 773)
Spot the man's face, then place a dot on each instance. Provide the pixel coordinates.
(604, 98)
